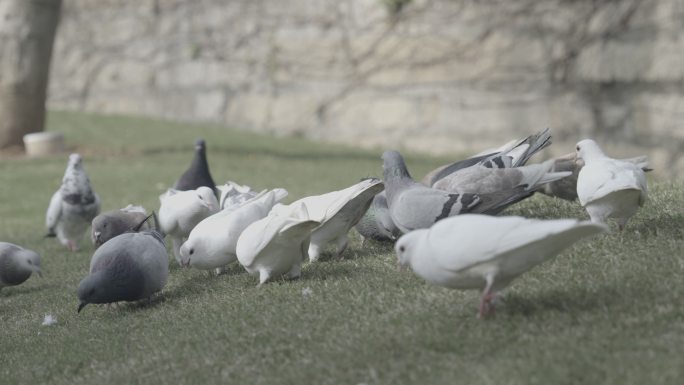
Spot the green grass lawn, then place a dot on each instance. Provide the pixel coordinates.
(609, 310)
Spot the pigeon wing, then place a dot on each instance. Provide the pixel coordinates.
(54, 212)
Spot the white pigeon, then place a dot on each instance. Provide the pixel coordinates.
(181, 211)
(233, 194)
(275, 246)
(73, 206)
(609, 188)
(17, 264)
(473, 251)
(338, 212)
(211, 244)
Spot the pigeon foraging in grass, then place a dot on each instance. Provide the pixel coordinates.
(337, 212)
(609, 188)
(376, 223)
(17, 264)
(415, 206)
(486, 253)
(72, 207)
(129, 267)
(277, 245)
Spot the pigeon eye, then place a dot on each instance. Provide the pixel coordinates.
(578, 148)
(192, 251)
(30, 262)
(402, 248)
(200, 197)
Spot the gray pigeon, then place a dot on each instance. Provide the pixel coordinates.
(17, 264)
(414, 206)
(479, 179)
(197, 175)
(112, 223)
(512, 154)
(130, 267)
(566, 188)
(73, 206)
(377, 224)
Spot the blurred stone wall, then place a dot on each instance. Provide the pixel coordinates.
(443, 76)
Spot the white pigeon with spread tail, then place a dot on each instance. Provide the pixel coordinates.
(232, 194)
(607, 187)
(73, 206)
(277, 245)
(337, 212)
(486, 253)
(181, 211)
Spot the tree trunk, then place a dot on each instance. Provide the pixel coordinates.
(27, 31)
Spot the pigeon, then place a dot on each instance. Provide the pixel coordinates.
(338, 212)
(275, 246)
(112, 223)
(566, 188)
(197, 175)
(415, 206)
(17, 264)
(233, 194)
(512, 154)
(609, 188)
(181, 211)
(486, 253)
(211, 244)
(73, 206)
(479, 179)
(376, 223)
(129, 267)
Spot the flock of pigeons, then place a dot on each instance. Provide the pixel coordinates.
(444, 227)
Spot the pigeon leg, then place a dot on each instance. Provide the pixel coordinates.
(295, 272)
(486, 300)
(72, 245)
(264, 276)
(342, 243)
(314, 252)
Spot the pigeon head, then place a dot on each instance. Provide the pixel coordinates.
(29, 261)
(106, 227)
(393, 166)
(587, 149)
(188, 251)
(207, 198)
(200, 145)
(405, 247)
(75, 161)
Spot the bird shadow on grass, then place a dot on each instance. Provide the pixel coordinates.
(23, 290)
(562, 300)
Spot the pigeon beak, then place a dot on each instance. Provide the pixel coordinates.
(40, 273)
(81, 306)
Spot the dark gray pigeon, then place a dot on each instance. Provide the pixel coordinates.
(376, 224)
(512, 154)
(17, 264)
(130, 267)
(414, 206)
(73, 206)
(197, 175)
(112, 223)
